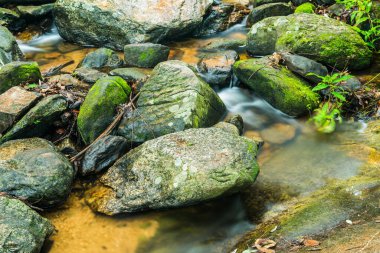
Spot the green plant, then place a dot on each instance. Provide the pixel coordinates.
(334, 93)
(362, 20)
(32, 86)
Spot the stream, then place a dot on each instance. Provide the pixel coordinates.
(295, 152)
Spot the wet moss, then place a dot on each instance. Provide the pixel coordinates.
(305, 8)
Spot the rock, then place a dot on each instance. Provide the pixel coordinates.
(21, 228)
(11, 19)
(89, 75)
(319, 38)
(117, 23)
(352, 84)
(99, 107)
(16, 73)
(220, 17)
(278, 86)
(27, 2)
(173, 99)
(38, 121)
(34, 170)
(145, 55)
(268, 10)
(176, 170)
(304, 66)
(15, 102)
(103, 154)
(225, 44)
(36, 12)
(130, 74)
(9, 49)
(237, 121)
(336, 9)
(305, 8)
(216, 68)
(102, 58)
(227, 127)
(261, 2)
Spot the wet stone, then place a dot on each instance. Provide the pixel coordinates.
(102, 58)
(14, 103)
(89, 75)
(268, 10)
(36, 12)
(130, 74)
(145, 55)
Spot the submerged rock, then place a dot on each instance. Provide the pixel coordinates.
(102, 58)
(9, 49)
(173, 99)
(103, 154)
(99, 107)
(176, 170)
(15, 102)
(21, 228)
(34, 170)
(146, 55)
(225, 44)
(16, 73)
(38, 121)
(277, 85)
(268, 10)
(117, 23)
(319, 38)
(216, 68)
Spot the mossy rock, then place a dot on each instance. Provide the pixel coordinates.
(175, 170)
(11, 19)
(34, 170)
(277, 85)
(319, 38)
(305, 8)
(99, 107)
(146, 55)
(16, 73)
(38, 120)
(173, 99)
(9, 49)
(102, 58)
(21, 228)
(268, 10)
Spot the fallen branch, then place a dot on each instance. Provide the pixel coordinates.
(109, 129)
(56, 70)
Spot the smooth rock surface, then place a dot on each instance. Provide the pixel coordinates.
(88, 75)
(14, 103)
(268, 10)
(173, 99)
(145, 55)
(34, 170)
(319, 38)
(176, 170)
(102, 58)
(21, 228)
(9, 49)
(117, 23)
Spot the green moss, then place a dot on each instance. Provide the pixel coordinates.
(305, 8)
(17, 73)
(147, 55)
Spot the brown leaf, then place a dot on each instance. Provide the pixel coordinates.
(310, 243)
(264, 245)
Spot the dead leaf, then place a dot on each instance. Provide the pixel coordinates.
(265, 245)
(310, 243)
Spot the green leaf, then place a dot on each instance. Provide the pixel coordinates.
(338, 96)
(320, 86)
(32, 86)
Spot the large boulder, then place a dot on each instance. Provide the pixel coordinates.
(320, 38)
(277, 85)
(21, 228)
(38, 120)
(9, 49)
(116, 23)
(268, 10)
(173, 99)
(16, 73)
(99, 107)
(175, 170)
(34, 170)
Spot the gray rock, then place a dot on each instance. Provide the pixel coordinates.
(111, 24)
(237, 121)
(21, 228)
(16, 73)
(15, 102)
(173, 99)
(268, 10)
(176, 170)
(352, 84)
(216, 68)
(225, 44)
(88, 75)
(102, 58)
(11, 19)
(304, 66)
(146, 55)
(261, 2)
(9, 49)
(34, 170)
(38, 120)
(36, 12)
(277, 85)
(99, 107)
(28, 2)
(319, 38)
(103, 154)
(130, 74)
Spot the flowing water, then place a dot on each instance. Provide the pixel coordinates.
(291, 156)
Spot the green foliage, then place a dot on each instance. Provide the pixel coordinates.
(32, 86)
(361, 17)
(329, 111)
